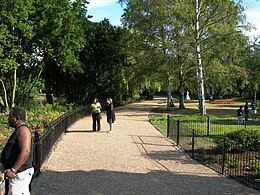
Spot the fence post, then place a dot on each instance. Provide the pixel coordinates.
(168, 125)
(192, 143)
(37, 153)
(208, 127)
(178, 133)
(223, 156)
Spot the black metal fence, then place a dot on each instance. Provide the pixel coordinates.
(204, 141)
(43, 144)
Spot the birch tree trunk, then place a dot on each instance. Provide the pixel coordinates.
(201, 94)
(5, 96)
(14, 88)
(181, 90)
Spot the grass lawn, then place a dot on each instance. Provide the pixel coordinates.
(222, 118)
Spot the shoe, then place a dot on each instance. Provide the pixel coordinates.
(94, 130)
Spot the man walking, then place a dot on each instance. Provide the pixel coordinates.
(17, 155)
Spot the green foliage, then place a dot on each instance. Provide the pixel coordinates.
(164, 44)
(16, 33)
(245, 138)
(39, 116)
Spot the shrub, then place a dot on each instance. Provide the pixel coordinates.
(242, 139)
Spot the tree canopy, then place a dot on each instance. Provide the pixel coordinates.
(172, 46)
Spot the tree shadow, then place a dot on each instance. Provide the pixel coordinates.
(116, 182)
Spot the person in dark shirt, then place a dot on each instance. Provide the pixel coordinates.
(17, 155)
(109, 108)
(240, 115)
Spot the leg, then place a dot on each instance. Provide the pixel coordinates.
(98, 122)
(94, 119)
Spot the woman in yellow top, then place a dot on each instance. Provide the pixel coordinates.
(96, 114)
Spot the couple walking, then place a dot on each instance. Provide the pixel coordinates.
(96, 109)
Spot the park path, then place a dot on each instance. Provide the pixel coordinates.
(134, 159)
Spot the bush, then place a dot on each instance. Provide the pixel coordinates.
(39, 116)
(244, 139)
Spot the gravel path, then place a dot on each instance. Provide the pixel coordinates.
(134, 159)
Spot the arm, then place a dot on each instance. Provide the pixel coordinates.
(24, 140)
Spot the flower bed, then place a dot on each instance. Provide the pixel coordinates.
(223, 101)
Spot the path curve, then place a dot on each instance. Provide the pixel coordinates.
(134, 159)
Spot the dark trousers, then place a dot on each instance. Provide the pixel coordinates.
(96, 121)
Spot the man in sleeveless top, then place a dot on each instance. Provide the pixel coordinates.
(17, 155)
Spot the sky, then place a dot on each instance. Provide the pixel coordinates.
(113, 11)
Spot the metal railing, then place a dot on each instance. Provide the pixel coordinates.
(43, 144)
(205, 141)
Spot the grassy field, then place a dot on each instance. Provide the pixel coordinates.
(222, 118)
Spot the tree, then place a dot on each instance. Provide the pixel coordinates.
(178, 22)
(252, 65)
(60, 37)
(162, 35)
(213, 20)
(103, 60)
(15, 32)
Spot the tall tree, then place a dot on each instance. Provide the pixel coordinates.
(59, 37)
(157, 24)
(15, 32)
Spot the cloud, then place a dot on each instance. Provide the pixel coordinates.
(101, 3)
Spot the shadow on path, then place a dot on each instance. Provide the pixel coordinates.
(154, 182)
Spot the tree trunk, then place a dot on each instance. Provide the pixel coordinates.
(169, 94)
(14, 89)
(5, 96)
(255, 92)
(47, 84)
(49, 98)
(201, 95)
(181, 90)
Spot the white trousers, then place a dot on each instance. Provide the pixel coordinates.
(19, 185)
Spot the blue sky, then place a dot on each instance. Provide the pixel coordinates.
(111, 10)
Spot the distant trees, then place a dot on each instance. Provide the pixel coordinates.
(174, 46)
(102, 60)
(52, 45)
(186, 35)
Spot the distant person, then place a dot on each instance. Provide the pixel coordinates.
(171, 103)
(253, 109)
(17, 155)
(111, 118)
(188, 96)
(240, 115)
(95, 108)
(246, 111)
